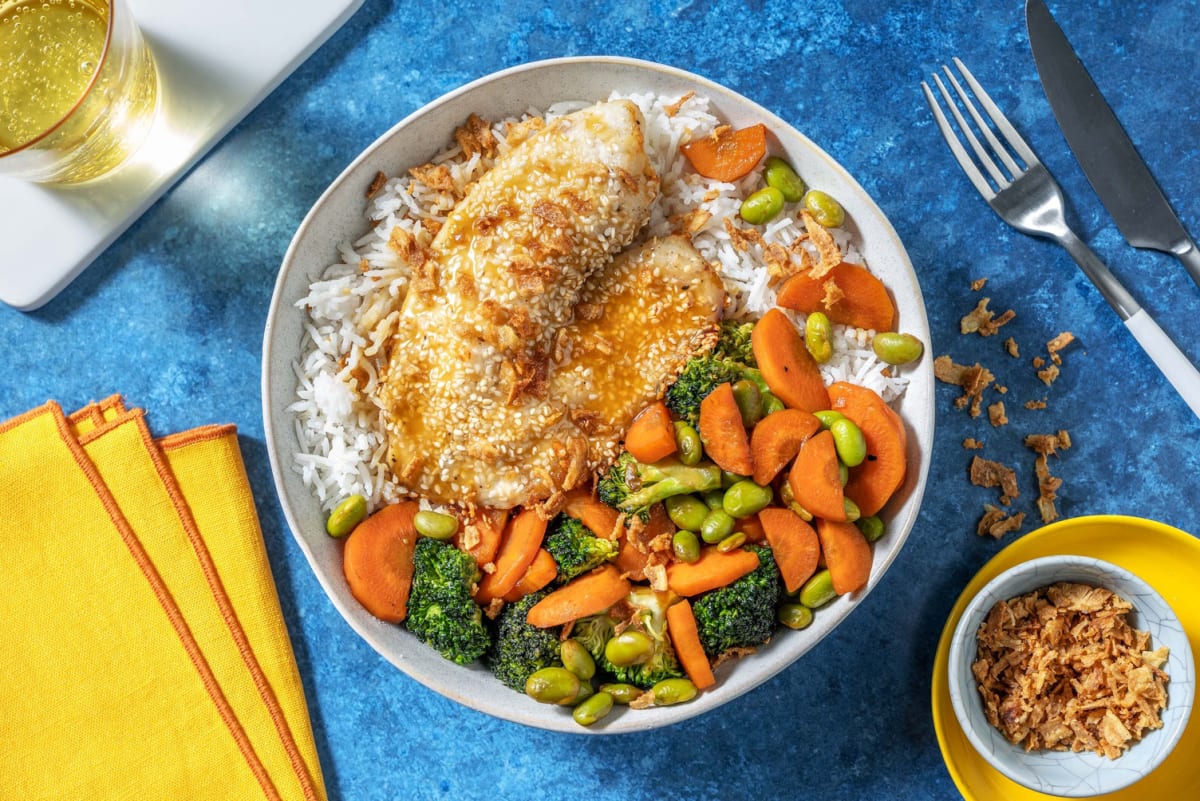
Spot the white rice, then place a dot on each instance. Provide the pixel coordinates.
(352, 307)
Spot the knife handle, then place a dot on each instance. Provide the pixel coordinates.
(1166, 355)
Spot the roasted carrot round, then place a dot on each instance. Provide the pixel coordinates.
(685, 638)
(786, 364)
(816, 480)
(598, 516)
(794, 544)
(378, 560)
(727, 154)
(874, 481)
(713, 569)
(847, 555)
(724, 433)
(518, 548)
(776, 440)
(864, 301)
(586, 595)
(540, 573)
(480, 536)
(651, 435)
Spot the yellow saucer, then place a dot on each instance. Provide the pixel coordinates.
(1164, 557)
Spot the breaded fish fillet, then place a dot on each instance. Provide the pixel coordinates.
(464, 396)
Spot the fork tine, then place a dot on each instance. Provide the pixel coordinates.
(997, 148)
(984, 158)
(960, 154)
(1002, 124)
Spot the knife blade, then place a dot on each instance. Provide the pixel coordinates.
(1108, 158)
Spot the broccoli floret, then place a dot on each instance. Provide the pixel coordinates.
(441, 611)
(734, 343)
(633, 487)
(647, 613)
(575, 548)
(700, 376)
(520, 649)
(742, 614)
(594, 632)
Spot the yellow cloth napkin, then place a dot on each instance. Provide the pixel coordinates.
(143, 654)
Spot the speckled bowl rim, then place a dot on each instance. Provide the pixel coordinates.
(1026, 577)
(341, 208)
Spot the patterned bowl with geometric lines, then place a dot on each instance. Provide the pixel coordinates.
(1064, 773)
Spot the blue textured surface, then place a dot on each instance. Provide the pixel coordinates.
(172, 316)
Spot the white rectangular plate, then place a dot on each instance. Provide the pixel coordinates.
(217, 60)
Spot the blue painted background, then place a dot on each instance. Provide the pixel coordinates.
(172, 316)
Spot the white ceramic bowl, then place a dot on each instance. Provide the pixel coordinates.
(339, 216)
(1063, 773)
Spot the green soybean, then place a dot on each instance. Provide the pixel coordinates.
(794, 616)
(824, 209)
(749, 401)
(687, 441)
(818, 337)
(630, 647)
(435, 525)
(576, 658)
(896, 348)
(686, 511)
(735, 540)
(718, 525)
(762, 206)
(621, 693)
(593, 709)
(779, 174)
(828, 416)
(746, 498)
(843, 473)
(729, 479)
(685, 545)
(673, 691)
(552, 685)
(852, 510)
(714, 499)
(346, 515)
(818, 590)
(849, 441)
(871, 527)
(771, 404)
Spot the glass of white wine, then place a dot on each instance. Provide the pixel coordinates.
(78, 88)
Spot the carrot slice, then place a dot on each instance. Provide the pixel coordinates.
(724, 433)
(776, 440)
(727, 155)
(685, 638)
(483, 533)
(651, 435)
(598, 516)
(874, 481)
(794, 544)
(847, 555)
(518, 549)
(864, 302)
(752, 527)
(378, 560)
(816, 480)
(589, 594)
(712, 570)
(541, 572)
(632, 560)
(786, 364)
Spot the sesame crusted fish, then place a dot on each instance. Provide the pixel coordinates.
(465, 397)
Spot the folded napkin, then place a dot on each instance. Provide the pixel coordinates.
(143, 654)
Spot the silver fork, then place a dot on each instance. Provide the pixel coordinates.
(1029, 199)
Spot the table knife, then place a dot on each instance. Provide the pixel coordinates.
(1103, 149)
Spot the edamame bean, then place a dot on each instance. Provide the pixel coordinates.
(735, 540)
(685, 545)
(749, 401)
(593, 709)
(686, 511)
(771, 404)
(818, 590)
(552, 685)
(801, 512)
(896, 348)
(714, 499)
(576, 658)
(718, 525)
(687, 442)
(346, 515)
(852, 510)
(630, 647)
(779, 174)
(849, 441)
(435, 525)
(795, 616)
(828, 416)
(746, 498)
(621, 693)
(729, 479)
(818, 337)
(824, 209)
(843, 473)
(871, 527)
(762, 206)
(673, 691)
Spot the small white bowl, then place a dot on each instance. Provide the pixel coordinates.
(1064, 773)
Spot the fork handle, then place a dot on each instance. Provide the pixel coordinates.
(1098, 273)
(1166, 355)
